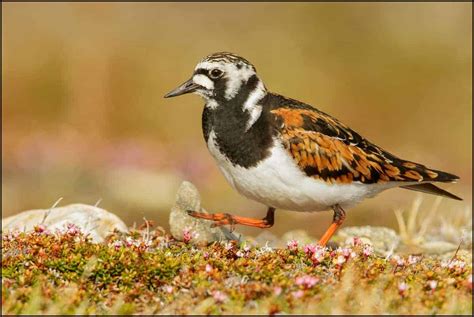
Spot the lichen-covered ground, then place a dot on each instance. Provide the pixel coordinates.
(148, 272)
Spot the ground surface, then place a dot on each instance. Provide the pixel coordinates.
(150, 272)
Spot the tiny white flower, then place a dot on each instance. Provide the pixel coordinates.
(341, 259)
(432, 284)
(402, 287)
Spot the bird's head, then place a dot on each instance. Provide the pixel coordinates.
(221, 77)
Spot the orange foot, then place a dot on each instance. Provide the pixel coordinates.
(222, 219)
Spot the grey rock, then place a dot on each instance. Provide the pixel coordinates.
(266, 238)
(96, 222)
(383, 240)
(437, 247)
(188, 198)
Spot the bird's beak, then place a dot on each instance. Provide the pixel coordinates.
(185, 88)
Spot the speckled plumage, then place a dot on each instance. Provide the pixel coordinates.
(327, 149)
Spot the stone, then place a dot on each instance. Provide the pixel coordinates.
(437, 247)
(383, 240)
(200, 231)
(96, 222)
(266, 238)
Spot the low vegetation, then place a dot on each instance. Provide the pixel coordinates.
(147, 271)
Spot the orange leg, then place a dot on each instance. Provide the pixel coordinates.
(339, 216)
(222, 219)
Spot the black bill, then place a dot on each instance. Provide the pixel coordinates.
(185, 88)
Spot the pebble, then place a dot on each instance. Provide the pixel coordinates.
(383, 240)
(183, 226)
(96, 222)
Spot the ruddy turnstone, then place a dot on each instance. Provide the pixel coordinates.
(286, 154)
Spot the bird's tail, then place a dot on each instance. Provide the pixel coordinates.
(431, 189)
(426, 176)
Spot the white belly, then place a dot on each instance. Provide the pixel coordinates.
(278, 182)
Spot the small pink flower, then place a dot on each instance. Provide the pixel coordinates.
(309, 249)
(11, 235)
(432, 284)
(292, 245)
(129, 241)
(368, 250)
(208, 268)
(297, 294)
(188, 235)
(402, 287)
(456, 264)
(240, 254)
(40, 228)
(72, 229)
(169, 289)
(356, 241)
(346, 252)
(277, 290)
(307, 281)
(399, 260)
(228, 246)
(353, 254)
(117, 244)
(219, 296)
(413, 259)
(246, 247)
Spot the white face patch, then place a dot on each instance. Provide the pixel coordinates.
(204, 81)
(235, 76)
(251, 104)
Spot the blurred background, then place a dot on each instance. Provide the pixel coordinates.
(84, 116)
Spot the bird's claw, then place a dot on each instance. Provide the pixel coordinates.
(228, 219)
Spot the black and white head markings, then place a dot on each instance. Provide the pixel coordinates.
(226, 80)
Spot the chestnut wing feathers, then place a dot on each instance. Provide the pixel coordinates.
(326, 149)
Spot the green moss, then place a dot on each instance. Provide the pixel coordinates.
(65, 273)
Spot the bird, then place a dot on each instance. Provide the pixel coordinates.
(287, 154)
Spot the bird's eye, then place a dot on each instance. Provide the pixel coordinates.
(215, 73)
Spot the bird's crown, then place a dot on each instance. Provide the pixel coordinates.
(227, 58)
